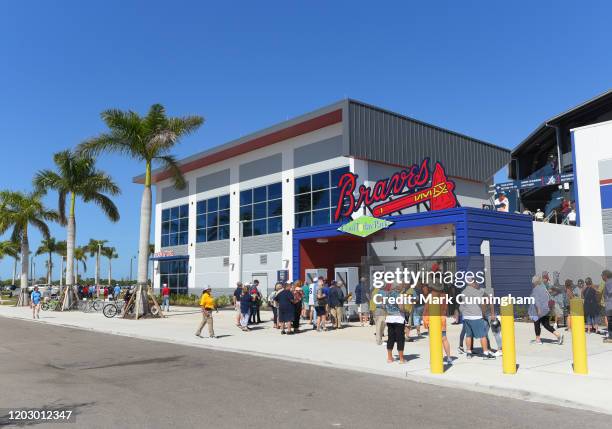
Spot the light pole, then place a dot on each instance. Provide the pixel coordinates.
(98, 269)
(131, 260)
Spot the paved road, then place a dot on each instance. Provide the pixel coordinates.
(113, 381)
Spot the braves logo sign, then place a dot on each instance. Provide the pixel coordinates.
(414, 185)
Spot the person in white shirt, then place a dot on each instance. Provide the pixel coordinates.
(571, 217)
(539, 215)
(501, 203)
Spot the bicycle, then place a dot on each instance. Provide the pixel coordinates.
(93, 305)
(51, 304)
(113, 308)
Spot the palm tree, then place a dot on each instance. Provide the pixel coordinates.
(48, 246)
(94, 247)
(148, 139)
(61, 252)
(10, 248)
(77, 176)
(18, 211)
(80, 255)
(110, 253)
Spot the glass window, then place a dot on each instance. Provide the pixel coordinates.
(259, 194)
(320, 181)
(275, 224)
(213, 218)
(258, 206)
(317, 197)
(260, 227)
(275, 191)
(175, 226)
(246, 197)
(302, 184)
(175, 275)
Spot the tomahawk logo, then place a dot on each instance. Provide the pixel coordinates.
(412, 186)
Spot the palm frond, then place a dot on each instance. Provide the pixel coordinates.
(105, 203)
(170, 164)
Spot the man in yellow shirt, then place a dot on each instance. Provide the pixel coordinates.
(207, 302)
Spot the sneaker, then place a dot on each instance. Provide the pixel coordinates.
(536, 342)
(488, 356)
(448, 361)
(561, 338)
(497, 353)
(213, 336)
(198, 335)
(469, 355)
(283, 332)
(461, 350)
(607, 340)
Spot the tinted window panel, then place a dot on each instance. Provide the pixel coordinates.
(211, 234)
(224, 217)
(213, 204)
(224, 202)
(201, 207)
(259, 210)
(247, 229)
(320, 199)
(165, 227)
(182, 238)
(275, 208)
(302, 220)
(259, 194)
(275, 191)
(173, 240)
(212, 219)
(246, 197)
(320, 217)
(174, 212)
(302, 185)
(302, 203)
(165, 214)
(165, 241)
(320, 181)
(275, 224)
(201, 235)
(184, 211)
(246, 212)
(224, 232)
(259, 227)
(201, 221)
(183, 224)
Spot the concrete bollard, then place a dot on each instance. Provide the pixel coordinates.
(436, 362)
(508, 339)
(578, 336)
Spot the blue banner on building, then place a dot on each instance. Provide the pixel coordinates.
(539, 182)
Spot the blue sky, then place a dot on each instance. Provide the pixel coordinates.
(490, 71)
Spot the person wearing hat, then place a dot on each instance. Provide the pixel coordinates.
(501, 203)
(207, 303)
(35, 300)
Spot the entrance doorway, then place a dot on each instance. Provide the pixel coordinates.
(263, 282)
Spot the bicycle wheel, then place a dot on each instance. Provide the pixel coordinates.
(97, 305)
(44, 306)
(110, 310)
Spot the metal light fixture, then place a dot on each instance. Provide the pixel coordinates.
(322, 240)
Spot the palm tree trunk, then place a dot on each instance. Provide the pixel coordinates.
(145, 229)
(110, 272)
(142, 301)
(71, 230)
(49, 268)
(98, 271)
(24, 297)
(14, 270)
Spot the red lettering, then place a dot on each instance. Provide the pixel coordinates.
(347, 184)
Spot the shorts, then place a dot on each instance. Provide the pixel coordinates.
(320, 309)
(417, 315)
(444, 333)
(592, 319)
(474, 328)
(362, 308)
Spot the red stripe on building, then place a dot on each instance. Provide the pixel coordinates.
(605, 182)
(257, 143)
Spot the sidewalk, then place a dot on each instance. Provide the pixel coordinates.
(544, 375)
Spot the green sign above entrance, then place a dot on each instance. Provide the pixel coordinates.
(365, 225)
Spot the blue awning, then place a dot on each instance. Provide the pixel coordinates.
(169, 258)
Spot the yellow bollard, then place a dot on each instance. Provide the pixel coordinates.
(508, 339)
(578, 336)
(436, 363)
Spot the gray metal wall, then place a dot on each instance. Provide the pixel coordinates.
(383, 136)
(213, 181)
(317, 152)
(170, 193)
(261, 167)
